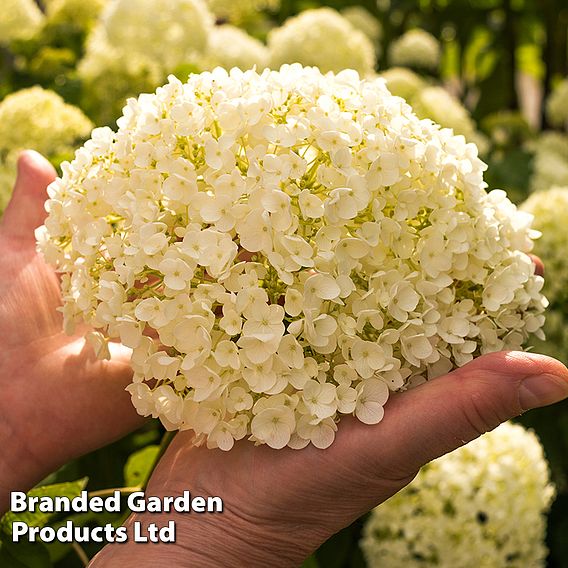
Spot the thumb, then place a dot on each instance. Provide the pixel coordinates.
(446, 413)
(25, 211)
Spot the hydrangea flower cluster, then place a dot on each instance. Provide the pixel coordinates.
(415, 48)
(550, 209)
(557, 105)
(483, 506)
(403, 82)
(322, 38)
(123, 60)
(550, 165)
(19, 19)
(361, 19)
(39, 119)
(230, 47)
(284, 248)
(437, 104)
(167, 32)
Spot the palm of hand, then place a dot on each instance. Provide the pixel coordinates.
(58, 401)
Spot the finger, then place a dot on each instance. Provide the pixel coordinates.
(26, 212)
(538, 265)
(446, 413)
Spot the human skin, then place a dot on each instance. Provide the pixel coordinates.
(59, 402)
(280, 505)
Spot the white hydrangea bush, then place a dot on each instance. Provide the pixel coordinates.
(557, 105)
(323, 38)
(361, 19)
(415, 48)
(550, 164)
(284, 248)
(403, 82)
(19, 19)
(481, 506)
(550, 210)
(437, 104)
(167, 32)
(40, 119)
(230, 47)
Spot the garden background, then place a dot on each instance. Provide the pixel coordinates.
(494, 70)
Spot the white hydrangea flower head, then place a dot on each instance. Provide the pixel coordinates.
(322, 38)
(550, 165)
(437, 104)
(230, 47)
(240, 11)
(550, 210)
(168, 32)
(482, 505)
(19, 19)
(280, 249)
(363, 20)
(415, 48)
(403, 82)
(40, 119)
(557, 104)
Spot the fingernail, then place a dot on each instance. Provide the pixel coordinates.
(541, 390)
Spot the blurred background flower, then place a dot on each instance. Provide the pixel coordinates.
(483, 505)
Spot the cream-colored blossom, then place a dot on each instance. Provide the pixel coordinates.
(41, 120)
(415, 48)
(550, 164)
(557, 104)
(283, 248)
(19, 19)
(322, 38)
(167, 32)
(361, 19)
(124, 60)
(403, 82)
(232, 47)
(482, 505)
(550, 209)
(437, 104)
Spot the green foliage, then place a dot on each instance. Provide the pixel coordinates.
(140, 465)
(40, 518)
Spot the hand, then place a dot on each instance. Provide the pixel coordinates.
(58, 401)
(280, 505)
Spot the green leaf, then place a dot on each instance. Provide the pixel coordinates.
(39, 518)
(28, 554)
(310, 562)
(6, 559)
(140, 465)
